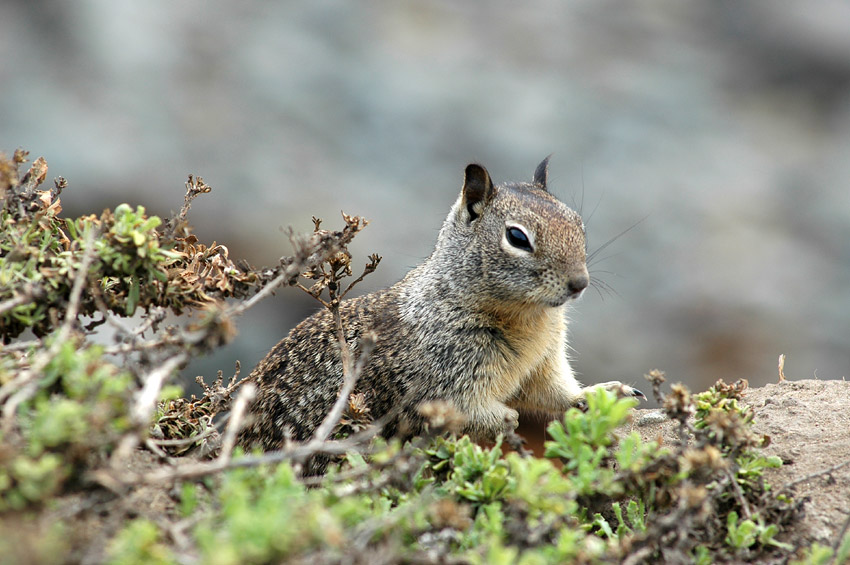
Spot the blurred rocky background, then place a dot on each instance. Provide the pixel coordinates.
(723, 128)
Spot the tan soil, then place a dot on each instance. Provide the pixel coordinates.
(808, 423)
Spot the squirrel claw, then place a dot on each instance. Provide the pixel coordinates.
(620, 389)
(626, 391)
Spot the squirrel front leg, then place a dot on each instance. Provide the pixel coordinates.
(486, 421)
(552, 389)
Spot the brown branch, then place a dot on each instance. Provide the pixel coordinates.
(837, 544)
(181, 442)
(27, 295)
(142, 412)
(309, 253)
(351, 374)
(80, 278)
(194, 187)
(313, 295)
(418, 442)
(117, 478)
(33, 177)
(374, 260)
(152, 386)
(20, 345)
(153, 316)
(264, 292)
(739, 495)
(829, 471)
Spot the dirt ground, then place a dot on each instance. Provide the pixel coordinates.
(808, 423)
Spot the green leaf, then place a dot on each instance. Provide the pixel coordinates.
(740, 536)
(122, 210)
(133, 296)
(603, 525)
(818, 554)
(150, 224)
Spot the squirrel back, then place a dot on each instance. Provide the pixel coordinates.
(480, 324)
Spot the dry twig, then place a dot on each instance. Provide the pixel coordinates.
(788, 486)
(237, 414)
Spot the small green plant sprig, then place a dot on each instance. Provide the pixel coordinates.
(478, 475)
(583, 441)
(633, 521)
(746, 533)
(722, 428)
(818, 554)
(129, 251)
(727, 425)
(140, 542)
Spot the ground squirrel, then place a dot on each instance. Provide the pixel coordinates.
(480, 324)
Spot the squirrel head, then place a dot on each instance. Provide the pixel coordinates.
(529, 245)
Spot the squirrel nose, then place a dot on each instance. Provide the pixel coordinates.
(577, 284)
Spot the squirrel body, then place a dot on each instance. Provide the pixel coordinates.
(481, 324)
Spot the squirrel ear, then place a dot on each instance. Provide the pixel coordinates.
(478, 190)
(541, 173)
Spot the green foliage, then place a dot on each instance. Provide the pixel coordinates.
(843, 554)
(751, 465)
(130, 251)
(43, 252)
(26, 479)
(585, 443)
(473, 503)
(542, 488)
(583, 439)
(635, 520)
(819, 554)
(266, 514)
(722, 399)
(140, 543)
(740, 536)
(702, 556)
(467, 502)
(744, 534)
(77, 412)
(137, 261)
(478, 475)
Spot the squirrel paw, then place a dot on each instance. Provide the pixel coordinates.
(618, 388)
(486, 424)
(511, 419)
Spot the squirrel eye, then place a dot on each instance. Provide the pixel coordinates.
(518, 239)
